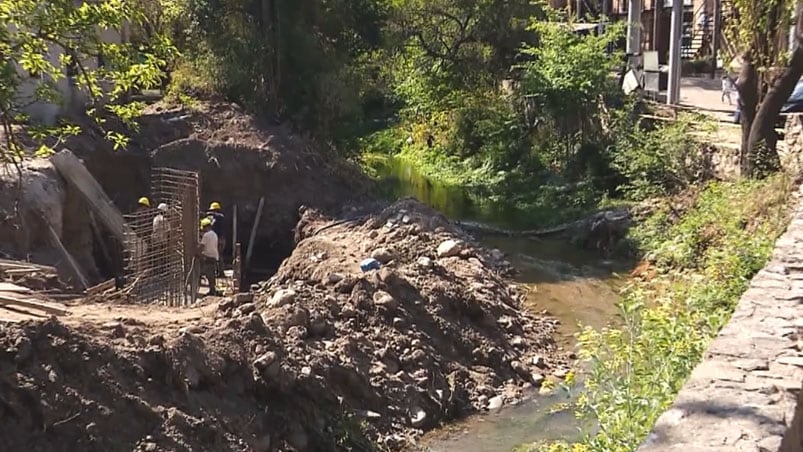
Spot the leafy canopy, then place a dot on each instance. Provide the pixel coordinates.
(47, 47)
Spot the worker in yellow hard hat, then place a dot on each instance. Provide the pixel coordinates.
(143, 203)
(208, 251)
(218, 219)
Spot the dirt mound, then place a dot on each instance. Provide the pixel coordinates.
(322, 357)
(436, 333)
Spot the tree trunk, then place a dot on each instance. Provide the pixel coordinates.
(760, 146)
(747, 86)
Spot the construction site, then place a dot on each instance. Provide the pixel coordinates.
(103, 325)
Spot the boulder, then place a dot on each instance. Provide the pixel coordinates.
(282, 297)
(449, 248)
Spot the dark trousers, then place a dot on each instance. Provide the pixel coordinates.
(209, 270)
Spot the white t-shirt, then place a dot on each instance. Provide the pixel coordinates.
(159, 228)
(209, 245)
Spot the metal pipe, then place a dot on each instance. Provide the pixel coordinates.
(673, 93)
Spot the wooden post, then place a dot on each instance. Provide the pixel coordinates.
(237, 268)
(234, 233)
(68, 257)
(254, 233)
(79, 177)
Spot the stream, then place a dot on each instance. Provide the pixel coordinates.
(575, 286)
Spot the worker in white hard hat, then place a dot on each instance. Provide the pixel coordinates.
(159, 237)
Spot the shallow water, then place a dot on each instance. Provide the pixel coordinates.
(575, 286)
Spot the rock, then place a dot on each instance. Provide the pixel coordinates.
(243, 297)
(495, 403)
(149, 447)
(383, 255)
(334, 278)
(282, 297)
(382, 298)
(418, 418)
(517, 341)
(24, 349)
(424, 262)
(156, 339)
(520, 369)
(560, 373)
(406, 219)
(497, 254)
(246, 309)
(318, 327)
(538, 361)
(117, 329)
(298, 317)
(449, 248)
(265, 360)
(256, 323)
(537, 379)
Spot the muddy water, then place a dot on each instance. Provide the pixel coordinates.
(575, 286)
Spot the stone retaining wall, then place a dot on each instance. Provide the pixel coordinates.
(745, 394)
(791, 154)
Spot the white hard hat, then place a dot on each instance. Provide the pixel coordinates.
(162, 207)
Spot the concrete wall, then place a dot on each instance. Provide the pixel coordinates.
(746, 393)
(71, 96)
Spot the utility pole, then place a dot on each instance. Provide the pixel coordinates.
(715, 36)
(673, 93)
(633, 27)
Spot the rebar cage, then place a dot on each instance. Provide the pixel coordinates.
(160, 245)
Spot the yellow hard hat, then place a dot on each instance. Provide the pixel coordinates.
(206, 222)
(214, 206)
(143, 201)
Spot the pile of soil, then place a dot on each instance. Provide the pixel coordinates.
(434, 334)
(323, 356)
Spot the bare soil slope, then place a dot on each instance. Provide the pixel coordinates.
(324, 357)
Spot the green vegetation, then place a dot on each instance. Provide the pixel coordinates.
(42, 44)
(702, 251)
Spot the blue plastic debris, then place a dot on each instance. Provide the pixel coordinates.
(369, 264)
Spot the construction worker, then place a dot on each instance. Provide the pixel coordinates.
(208, 252)
(143, 204)
(219, 226)
(139, 245)
(159, 237)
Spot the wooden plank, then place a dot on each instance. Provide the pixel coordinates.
(70, 260)
(33, 304)
(5, 263)
(100, 288)
(9, 287)
(254, 233)
(76, 174)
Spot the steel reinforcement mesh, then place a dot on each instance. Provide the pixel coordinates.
(160, 245)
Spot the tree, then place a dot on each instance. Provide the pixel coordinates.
(47, 48)
(767, 76)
